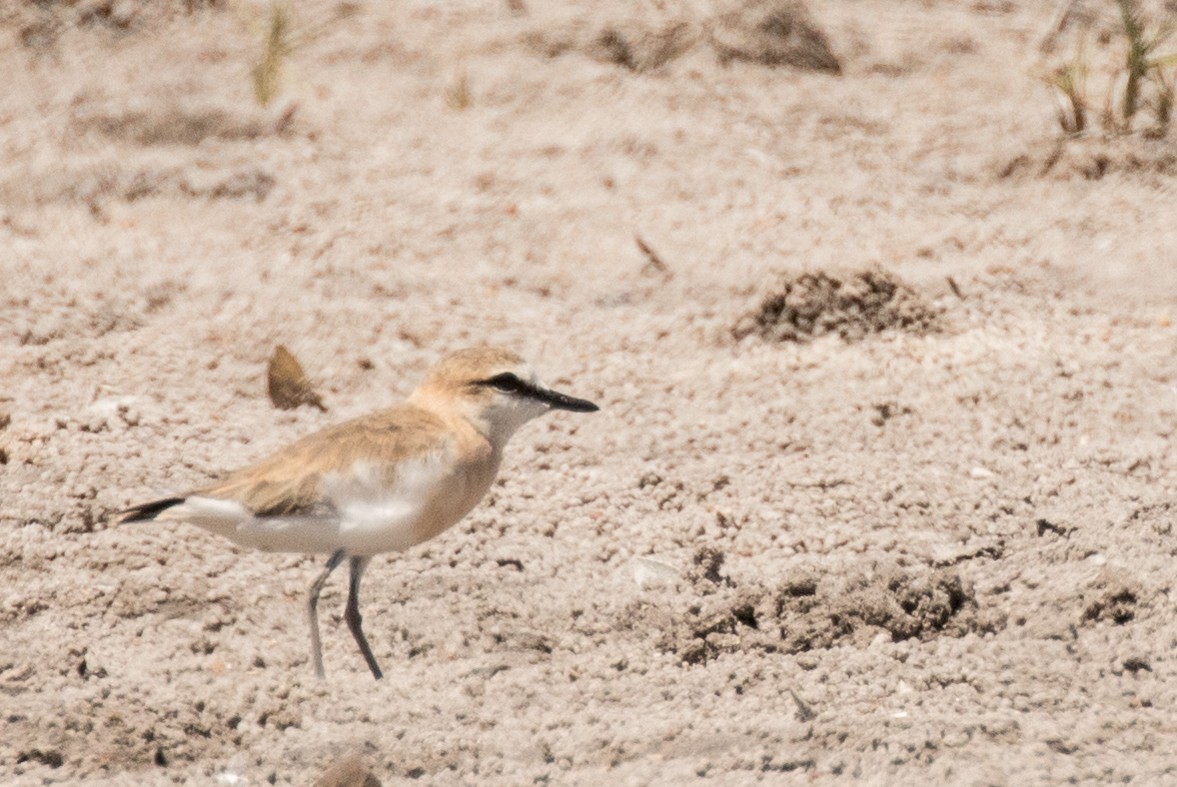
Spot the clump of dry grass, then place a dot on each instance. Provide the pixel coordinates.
(1070, 82)
(457, 94)
(282, 34)
(277, 44)
(1138, 80)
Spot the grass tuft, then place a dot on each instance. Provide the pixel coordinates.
(281, 35)
(1070, 81)
(1139, 79)
(457, 95)
(277, 44)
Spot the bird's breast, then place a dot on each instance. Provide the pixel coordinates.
(456, 495)
(423, 498)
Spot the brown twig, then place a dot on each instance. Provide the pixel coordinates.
(652, 258)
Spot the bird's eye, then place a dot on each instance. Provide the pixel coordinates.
(505, 382)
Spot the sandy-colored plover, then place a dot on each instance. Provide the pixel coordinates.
(380, 483)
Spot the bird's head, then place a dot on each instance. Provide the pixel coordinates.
(494, 389)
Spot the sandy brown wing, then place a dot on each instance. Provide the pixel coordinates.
(290, 481)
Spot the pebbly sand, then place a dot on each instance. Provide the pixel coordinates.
(883, 486)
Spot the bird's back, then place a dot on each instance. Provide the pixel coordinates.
(290, 481)
(378, 483)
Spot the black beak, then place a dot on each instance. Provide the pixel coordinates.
(559, 401)
(509, 383)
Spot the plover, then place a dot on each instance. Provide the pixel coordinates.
(380, 483)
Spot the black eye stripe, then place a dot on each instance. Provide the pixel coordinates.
(506, 382)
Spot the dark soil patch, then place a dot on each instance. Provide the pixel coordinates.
(171, 125)
(807, 612)
(1095, 158)
(1111, 598)
(798, 308)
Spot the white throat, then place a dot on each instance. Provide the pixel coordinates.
(499, 420)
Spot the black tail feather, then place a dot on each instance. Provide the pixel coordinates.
(148, 511)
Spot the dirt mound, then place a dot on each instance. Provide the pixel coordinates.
(639, 41)
(766, 32)
(773, 33)
(797, 308)
(807, 612)
(639, 48)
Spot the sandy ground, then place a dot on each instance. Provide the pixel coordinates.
(942, 552)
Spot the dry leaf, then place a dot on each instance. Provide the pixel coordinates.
(287, 383)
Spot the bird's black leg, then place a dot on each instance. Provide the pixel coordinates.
(352, 614)
(313, 602)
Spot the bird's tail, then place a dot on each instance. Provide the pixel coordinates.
(145, 512)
